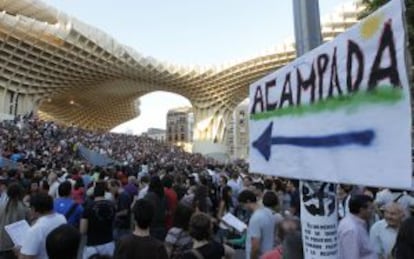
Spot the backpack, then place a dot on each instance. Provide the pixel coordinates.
(177, 251)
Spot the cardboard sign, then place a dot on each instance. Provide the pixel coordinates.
(340, 113)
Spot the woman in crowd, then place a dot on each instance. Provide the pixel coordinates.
(156, 196)
(11, 212)
(225, 206)
(201, 201)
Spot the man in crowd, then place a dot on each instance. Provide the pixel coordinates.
(140, 244)
(260, 231)
(353, 238)
(292, 188)
(63, 242)
(386, 196)
(384, 232)
(66, 206)
(53, 182)
(33, 245)
(235, 186)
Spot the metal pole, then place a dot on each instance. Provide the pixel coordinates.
(307, 25)
(308, 36)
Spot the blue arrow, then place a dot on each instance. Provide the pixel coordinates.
(264, 143)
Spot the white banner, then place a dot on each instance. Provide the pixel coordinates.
(340, 113)
(319, 220)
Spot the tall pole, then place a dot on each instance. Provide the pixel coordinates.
(307, 25)
(317, 242)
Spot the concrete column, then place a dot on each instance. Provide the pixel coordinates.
(210, 129)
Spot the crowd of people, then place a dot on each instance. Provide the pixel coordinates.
(157, 201)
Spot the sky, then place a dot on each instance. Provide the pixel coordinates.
(187, 32)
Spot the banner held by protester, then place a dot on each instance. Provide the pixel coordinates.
(94, 157)
(341, 112)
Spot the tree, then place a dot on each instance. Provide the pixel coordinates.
(372, 5)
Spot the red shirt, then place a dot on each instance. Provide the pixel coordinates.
(274, 254)
(78, 195)
(122, 178)
(172, 202)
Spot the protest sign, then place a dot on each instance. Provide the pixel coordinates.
(341, 112)
(319, 220)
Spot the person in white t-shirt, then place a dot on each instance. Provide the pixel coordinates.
(33, 246)
(53, 182)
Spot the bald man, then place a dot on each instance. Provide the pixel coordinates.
(384, 232)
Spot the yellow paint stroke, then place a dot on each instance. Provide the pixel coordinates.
(371, 25)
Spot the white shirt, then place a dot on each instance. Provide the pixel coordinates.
(53, 189)
(3, 198)
(142, 192)
(235, 187)
(34, 243)
(383, 238)
(353, 239)
(343, 206)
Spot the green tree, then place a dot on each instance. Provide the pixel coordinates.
(372, 5)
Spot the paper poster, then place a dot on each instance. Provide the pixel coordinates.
(340, 113)
(319, 220)
(17, 231)
(234, 222)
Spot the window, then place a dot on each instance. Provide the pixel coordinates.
(241, 113)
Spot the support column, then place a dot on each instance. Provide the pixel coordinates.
(210, 131)
(3, 99)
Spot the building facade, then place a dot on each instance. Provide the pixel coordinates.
(238, 135)
(180, 124)
(156, 134)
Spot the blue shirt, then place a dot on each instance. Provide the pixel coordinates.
(63, 205)
(261, 226)
(15, 157)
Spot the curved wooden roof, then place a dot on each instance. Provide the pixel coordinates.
(85, 77)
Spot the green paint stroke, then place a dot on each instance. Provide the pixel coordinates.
(381, 95)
